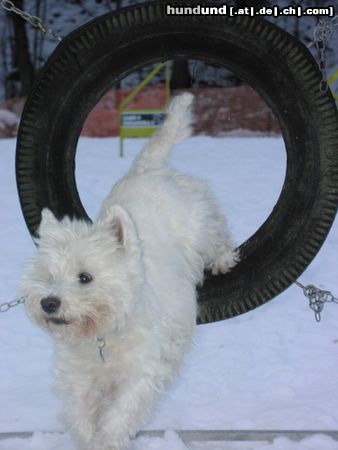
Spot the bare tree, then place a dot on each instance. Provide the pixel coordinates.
(21, 56)
(38, 38)
(180, 77)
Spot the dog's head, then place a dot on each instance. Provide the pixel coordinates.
(85, 277)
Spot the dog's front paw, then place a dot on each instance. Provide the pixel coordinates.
(108, 441)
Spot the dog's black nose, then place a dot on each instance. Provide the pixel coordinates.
(50, 304)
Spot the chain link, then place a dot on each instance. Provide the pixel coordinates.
(321, 34)
(317, 298)
(4, 307)
(323, 86)
(35, 21)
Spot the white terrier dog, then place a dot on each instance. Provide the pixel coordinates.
(119, 295)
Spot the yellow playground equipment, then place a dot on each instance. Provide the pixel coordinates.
(332, 80)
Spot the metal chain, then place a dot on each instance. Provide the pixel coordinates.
(321, 34)
(317, 298)
(33, 20)
(4, 307)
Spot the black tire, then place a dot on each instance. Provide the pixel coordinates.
(90, 60)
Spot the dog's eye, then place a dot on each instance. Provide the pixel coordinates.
(85, 278)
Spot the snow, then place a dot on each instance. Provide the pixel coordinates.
(7, 119)
(171, 441)
(273, 368)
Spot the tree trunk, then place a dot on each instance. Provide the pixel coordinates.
(21, 56)
(180, 77)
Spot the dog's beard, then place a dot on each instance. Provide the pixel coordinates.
(84, 326)
(93, 321)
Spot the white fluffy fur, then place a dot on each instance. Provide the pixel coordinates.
(146, 252)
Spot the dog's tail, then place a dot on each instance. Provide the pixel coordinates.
(176, 127)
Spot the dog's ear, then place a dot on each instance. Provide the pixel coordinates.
(48, 222)
(119, 222)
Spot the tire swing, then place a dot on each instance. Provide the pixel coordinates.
(88, 62)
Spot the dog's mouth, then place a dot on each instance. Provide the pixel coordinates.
(58, 321)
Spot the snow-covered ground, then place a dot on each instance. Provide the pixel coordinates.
(274, 368)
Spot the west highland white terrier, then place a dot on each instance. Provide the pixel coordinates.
(119, 295)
